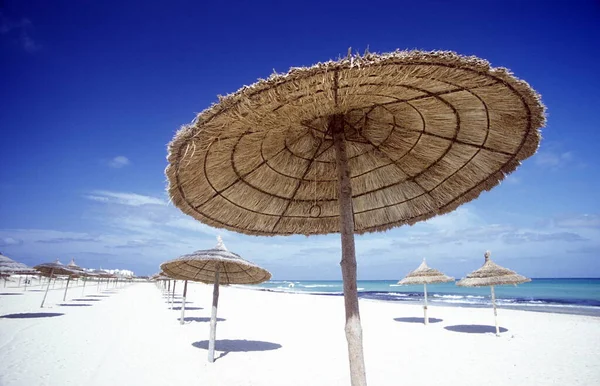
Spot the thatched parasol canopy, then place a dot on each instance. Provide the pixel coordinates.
(491, 274)
(8, 266)
(425, 275)
(425, 132)
(202, 265)
(102, 273)
(77, 269)
(54, 269)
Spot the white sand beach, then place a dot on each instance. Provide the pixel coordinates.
(129, 336)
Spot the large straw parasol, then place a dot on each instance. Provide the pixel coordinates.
(217, 266)
(491, 274)
(53, 269)
(362, 144)
(10, 267)
(425, 275)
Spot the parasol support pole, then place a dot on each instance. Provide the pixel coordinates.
(183, 302)
(47, 288)
(19, 285)
(353, 327)
(26, 278)
(495, 311)
(213, 317)
(173, 294)
(83, 289)
(66, 288)
(425, 318)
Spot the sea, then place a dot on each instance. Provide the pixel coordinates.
(571, 296)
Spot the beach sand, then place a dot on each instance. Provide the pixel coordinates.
(129, 336)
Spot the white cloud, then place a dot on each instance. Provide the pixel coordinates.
(8, 241)
(124, 198)
(578, 221)
(553, 156)
(138, 232)
(119, 162)
(20, 32)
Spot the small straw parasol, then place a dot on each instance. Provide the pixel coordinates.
(491, 274)
(80, 272)
(425, 275)
(217, 266)
(361, 144)
(101, 274)
(53, 269)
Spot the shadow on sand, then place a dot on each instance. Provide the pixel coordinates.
(32, 315)
(474, 329)
(227, 346)
(86, 300)
(74, 305)
(199, 319)
(417, 320)
(98, 296)
(188, 308)
(9, 293)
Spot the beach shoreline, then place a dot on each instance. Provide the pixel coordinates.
(130, 335)
(445, 300)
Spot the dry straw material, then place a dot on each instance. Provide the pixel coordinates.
(425, 132)
(9, 266)
(425, 275)
(202, 265)
(491, 274)
(54, 269)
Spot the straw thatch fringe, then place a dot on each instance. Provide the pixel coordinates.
(425, 275)
(491, 274)
(9, 266)
(54, 269)
(425, 133)
(203, 264)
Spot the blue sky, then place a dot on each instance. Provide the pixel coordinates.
(92, 91)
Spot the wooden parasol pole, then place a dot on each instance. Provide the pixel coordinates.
(425, 318)
(183, 302)
(213, 316)
(47, 288)
(173, 294)
(83, 289)
(495, 311)
(353, 327)
(66, 288)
